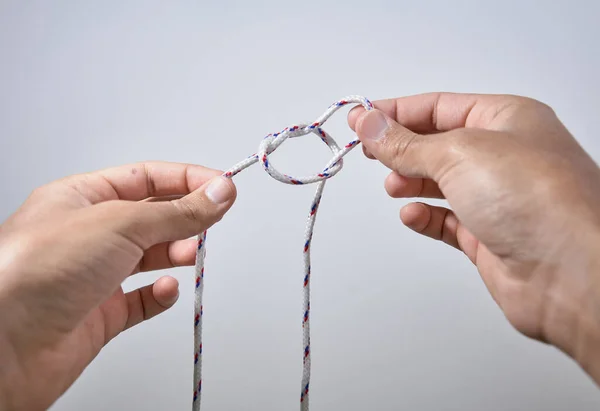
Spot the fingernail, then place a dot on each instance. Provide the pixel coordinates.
(219, 191)
(373, 126)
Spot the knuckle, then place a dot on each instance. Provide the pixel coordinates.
(192, 211)
(41, 192)
(129, 220)
(526, 103)
(454, 149)
(399, 144)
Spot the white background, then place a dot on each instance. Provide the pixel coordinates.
(399, 322)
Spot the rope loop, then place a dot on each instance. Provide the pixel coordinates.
(269, 144)
(272, 141)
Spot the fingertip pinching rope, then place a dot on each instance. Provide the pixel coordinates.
(266, 147)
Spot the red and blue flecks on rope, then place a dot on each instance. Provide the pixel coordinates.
(269, 144)
(198, 312)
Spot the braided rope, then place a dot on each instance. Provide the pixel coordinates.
(266, 147)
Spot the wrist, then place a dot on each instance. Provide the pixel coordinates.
(17, 377)
(15, 393)
(587, 350)
(6, 375)
(573, 315)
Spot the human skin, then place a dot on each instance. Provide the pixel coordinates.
(524, 197)
(524, 204)
(65, 253)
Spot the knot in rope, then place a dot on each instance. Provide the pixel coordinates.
(269, 144)
(272, 141)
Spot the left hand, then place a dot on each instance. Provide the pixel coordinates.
(65, 253)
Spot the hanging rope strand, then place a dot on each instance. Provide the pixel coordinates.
(266, 147)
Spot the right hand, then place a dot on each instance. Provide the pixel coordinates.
(525, 201)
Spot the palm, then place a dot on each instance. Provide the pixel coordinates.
(76, 349)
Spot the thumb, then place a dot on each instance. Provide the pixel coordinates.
(398, 148)
(160, 222)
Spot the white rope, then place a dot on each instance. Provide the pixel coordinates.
(266, 147)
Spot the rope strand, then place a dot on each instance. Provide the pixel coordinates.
(266, 147)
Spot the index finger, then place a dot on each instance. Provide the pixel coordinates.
(437, 112)
(135, 182)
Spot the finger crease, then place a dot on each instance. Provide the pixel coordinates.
(435, 110)
(443, 230)
(422, 188)
(142, 264)
(111, 185)
(169, 258)
(150, 185)
(186, 177)
(144, 313)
